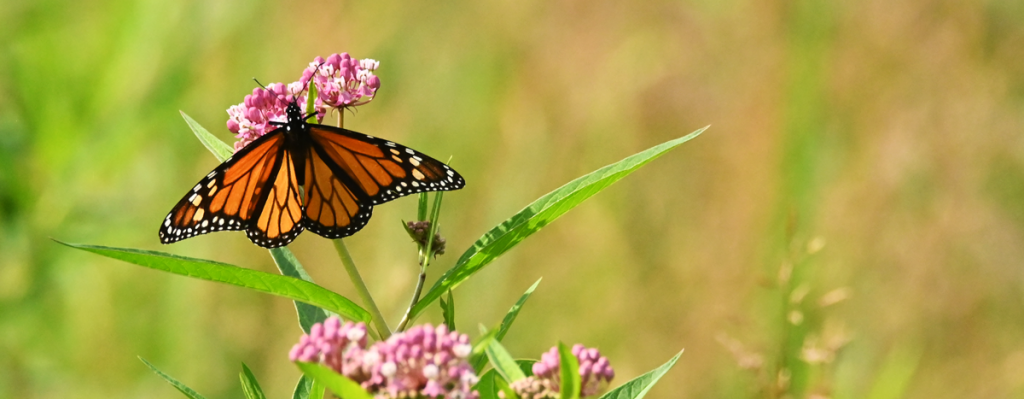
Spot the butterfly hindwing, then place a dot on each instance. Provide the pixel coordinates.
(277, 220)
(381, 170)
(332, 209)
(227, 197)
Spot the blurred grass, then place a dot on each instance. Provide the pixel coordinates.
(892, 130)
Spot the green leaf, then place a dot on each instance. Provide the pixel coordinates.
(503, 386)
(490, 384)
(478, 357)
(503, 362)
(288, 287)
(421, 210)
(290, 266)
(485, 386)
(307, 388)
(510, 317)
(537, 215)
(569, 371)
(220, 149)
(448, 311)
(430, 248)
(337, 383)
(317, 391)
(302, 388)
(311, 95)
(526, 365)
(250, 386)
(479, 361)
(175, 383)
(638, 387)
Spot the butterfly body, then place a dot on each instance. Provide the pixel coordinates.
(304, 176)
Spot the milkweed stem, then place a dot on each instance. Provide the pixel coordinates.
(364, 293)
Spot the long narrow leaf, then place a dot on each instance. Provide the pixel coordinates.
(448, 311)
(288, 287)
(638, 387)
(510, 317)
(503, 362)
(219, 148)
(250, 386)
(478, 357)
(478, 361)
(175, 383)
(337, 383)
(290, 266)
(569, 370)
(537, 215)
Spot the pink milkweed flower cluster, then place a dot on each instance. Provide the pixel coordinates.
(341, 81)
(423, 361)
(545, 382)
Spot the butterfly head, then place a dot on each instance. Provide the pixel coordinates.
(293, 111)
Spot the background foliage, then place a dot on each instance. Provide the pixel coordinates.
(888, 131)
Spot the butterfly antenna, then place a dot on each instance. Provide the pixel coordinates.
(261, 84)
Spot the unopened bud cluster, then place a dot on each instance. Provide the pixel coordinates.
(419, 232)
(595, 373)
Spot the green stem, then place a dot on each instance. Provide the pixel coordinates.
(415, 298)
(364, 293)
(425, 254)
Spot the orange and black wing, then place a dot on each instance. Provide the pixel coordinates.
(254, 190)
(332, 208)
(278, 218)
(381, 170)
(347, 173)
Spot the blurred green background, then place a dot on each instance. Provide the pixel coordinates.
(869, 151)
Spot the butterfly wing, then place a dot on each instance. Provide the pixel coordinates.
(379, 170)
(235, 191)
(344, 174)
(278, 218)
(332, 208)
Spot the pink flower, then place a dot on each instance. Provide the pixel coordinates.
(546, 379)
(424, 360)
(341, 82)
(251, 119)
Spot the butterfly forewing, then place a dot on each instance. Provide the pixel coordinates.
(381, 170)
(227, 197)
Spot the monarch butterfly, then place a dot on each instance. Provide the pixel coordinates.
(343, 174)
